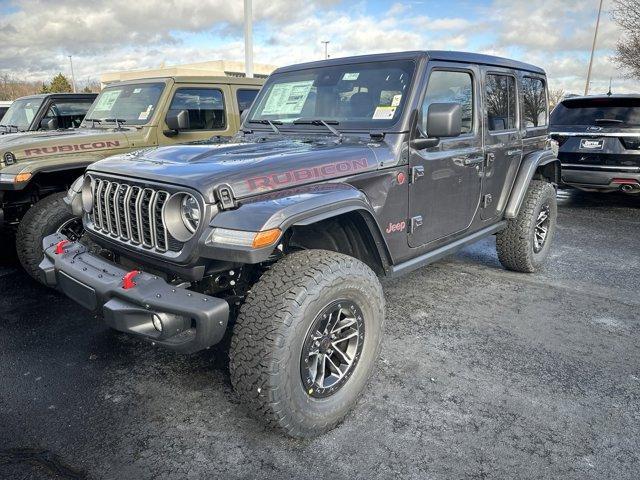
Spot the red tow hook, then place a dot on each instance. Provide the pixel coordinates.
(127, 280)
(60, 247)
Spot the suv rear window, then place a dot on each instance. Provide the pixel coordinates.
(535, 102)
(501, 102)
(597, 111)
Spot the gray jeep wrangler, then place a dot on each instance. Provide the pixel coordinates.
(344, 171)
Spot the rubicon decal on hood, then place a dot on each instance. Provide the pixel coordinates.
(74, 147)
(292, 177)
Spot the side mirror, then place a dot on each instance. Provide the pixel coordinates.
(49, 123)
(177, 120)
(444, 120)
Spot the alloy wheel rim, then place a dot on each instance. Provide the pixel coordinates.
(541, 230)
(72, 229)
(332, 348)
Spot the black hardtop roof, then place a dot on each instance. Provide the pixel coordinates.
(60, 94)
(616, 96)
(441, 55)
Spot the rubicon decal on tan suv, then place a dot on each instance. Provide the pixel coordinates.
(75, 147)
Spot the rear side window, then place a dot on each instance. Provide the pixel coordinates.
(597, 111)
(535, 102)
(69, 114)
(451, 87)
(205, 107)
(245, 99)
(501, 102)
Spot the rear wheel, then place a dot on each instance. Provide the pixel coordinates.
(305, 342)
(49, 215)
(524, 245)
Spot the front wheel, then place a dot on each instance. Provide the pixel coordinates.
(49, 215)
(306, 340)
(524, 245)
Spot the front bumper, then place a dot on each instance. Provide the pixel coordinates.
(190, 320)
(598, 178)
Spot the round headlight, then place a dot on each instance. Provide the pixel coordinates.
(190, 212)
(181, 215)
(87, 194)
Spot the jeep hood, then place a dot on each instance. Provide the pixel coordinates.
(28, 146)
(248, 168)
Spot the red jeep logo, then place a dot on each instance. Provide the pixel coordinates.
(396, 227)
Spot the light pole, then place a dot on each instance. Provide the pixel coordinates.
(326, 48)
(248, 39)
(593, 49)
(73, 77)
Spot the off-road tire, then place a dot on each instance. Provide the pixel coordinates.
(42, 219)
(515, 244)
(267, 340)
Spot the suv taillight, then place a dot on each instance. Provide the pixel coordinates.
(631, 143)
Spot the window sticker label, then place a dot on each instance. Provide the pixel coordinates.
(384, 112)
(145, 114)
(396, 100)
(351, 76)
(137, 90)
(107, 100)
(287, 98)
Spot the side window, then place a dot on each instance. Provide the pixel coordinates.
(69, 114)
(535, 102)
(501, 102)
(450, 87)
(245, 99)
(205, 107)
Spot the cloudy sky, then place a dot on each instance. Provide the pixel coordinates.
(102, 35)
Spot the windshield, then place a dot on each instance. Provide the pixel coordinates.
(133, 104)
(366, 95)
(597, 111)
(21, 113)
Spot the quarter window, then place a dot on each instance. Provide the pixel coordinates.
(245, 99)
(450, 87)
(535, 102)
(501, 102)
(205, 107)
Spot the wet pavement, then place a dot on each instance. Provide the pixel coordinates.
(484, 374)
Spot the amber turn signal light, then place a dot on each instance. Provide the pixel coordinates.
(266, 238)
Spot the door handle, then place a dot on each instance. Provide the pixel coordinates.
(473, 161)
(511, 153)
(490, 159)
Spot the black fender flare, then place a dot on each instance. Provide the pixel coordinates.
(302, 206)
(528, 168)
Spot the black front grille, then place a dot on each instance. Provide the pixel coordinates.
(131, 214)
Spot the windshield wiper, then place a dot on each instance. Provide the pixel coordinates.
(325, 123)
(271, 123)
(117, 121)
(608, 120)
(93, 121)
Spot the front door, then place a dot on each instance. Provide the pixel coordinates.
(503, 140)
(446, 179)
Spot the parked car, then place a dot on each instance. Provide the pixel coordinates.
(345, 170)
(49, 111)
(37, 170)
(4, 106)
(598, 142)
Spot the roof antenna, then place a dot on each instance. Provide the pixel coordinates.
(609, 93)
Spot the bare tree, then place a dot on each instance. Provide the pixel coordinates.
(626, 13)
(556, 95)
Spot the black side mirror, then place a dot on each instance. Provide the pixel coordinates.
(444, 120)
(49, 123)
(177, 120)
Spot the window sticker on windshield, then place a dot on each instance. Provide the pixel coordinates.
(29, 113)
(137, 90)
(384, 112)
(107, 100)
(351, 76)
(287, 98)
(145, 114)
(396, 100)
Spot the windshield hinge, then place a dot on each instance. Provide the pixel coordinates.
(377, 136)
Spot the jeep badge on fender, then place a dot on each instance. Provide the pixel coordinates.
(283, 233)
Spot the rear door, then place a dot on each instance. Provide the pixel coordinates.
(502, 138)
(446, 179)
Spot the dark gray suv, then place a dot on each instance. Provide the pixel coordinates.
(345, 171)
(598, 141)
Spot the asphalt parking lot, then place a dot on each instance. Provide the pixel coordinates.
(484, 374)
